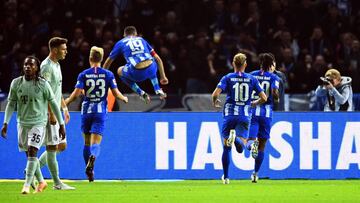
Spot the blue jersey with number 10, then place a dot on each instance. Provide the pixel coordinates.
(238, 87)
(95, 82)
(134, 49)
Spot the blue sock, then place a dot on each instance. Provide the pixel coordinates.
(226, 161)
(86, 153)
(95, 150)
(248, 144)
(258, 161)
(239, 145)
(132, 85)
(155, 83)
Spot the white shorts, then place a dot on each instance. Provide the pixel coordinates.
(52, 136)
(30, 136)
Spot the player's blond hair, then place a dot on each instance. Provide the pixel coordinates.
(96, 54)
(333, 74)
(239, 60)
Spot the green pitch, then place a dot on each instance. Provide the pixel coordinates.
(191, 191)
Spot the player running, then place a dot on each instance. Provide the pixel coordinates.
(237, 108)
(262, 113)
(95, 82)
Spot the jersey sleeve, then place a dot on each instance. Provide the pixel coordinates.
(111, 80)
(148, 46)
(223, 83)
(12, 92)
(80, 81)
(46, 72)
(257, 86)
(48, 93)
(116, 51)
(275, 82)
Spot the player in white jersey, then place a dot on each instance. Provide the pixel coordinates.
(51, 71)
(30, 95)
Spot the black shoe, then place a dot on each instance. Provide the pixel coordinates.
(90, 169)
(239, 148)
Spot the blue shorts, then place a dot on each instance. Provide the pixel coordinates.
(139, 75)
(93, 123)
(240, 124)
(260, 127)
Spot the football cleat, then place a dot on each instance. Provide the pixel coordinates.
(63, 186)
(161, 93)
(254, 177)
(254, 149)
(225, 181)
(41, 187)
(33, 183)
(25, 190)
(145, 97)
(90, 169)
(231, 139)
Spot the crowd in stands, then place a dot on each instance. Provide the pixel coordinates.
(195, 39)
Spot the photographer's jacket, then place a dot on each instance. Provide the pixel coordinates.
(338, 98)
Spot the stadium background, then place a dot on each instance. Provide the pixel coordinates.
(307, 37)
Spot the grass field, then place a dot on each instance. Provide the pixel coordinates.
(191, 191)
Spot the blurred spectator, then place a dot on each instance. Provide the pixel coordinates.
(322, 27)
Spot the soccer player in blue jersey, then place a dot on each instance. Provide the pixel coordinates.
(94, 82)
(142, 63)
(237, 108)
(262, 114)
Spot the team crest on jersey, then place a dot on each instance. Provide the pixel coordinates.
(37, 90)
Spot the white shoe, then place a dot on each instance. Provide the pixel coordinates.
(230, 141)
(161, 93)
(63, 186)
(254, 149)
(25, 190)
(254, 177)
(225, 181)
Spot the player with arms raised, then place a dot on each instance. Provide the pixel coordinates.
(142, 63)
(95, 82)
(237, 108)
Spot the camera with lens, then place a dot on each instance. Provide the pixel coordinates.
(326, 80)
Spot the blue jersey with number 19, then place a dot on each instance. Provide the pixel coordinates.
(268, 82)
(238, 86)
(134, 49)
(95, 82)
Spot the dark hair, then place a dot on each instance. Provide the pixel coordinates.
(266, 60)
(37, 63)
(56, 42)
(129, 30)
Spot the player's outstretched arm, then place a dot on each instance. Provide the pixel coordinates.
(119, 96)
(215, 97)
(163, 78)
(75, 94)
(107, 63)
(276, 95)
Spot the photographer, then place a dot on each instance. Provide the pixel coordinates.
(337, 90)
